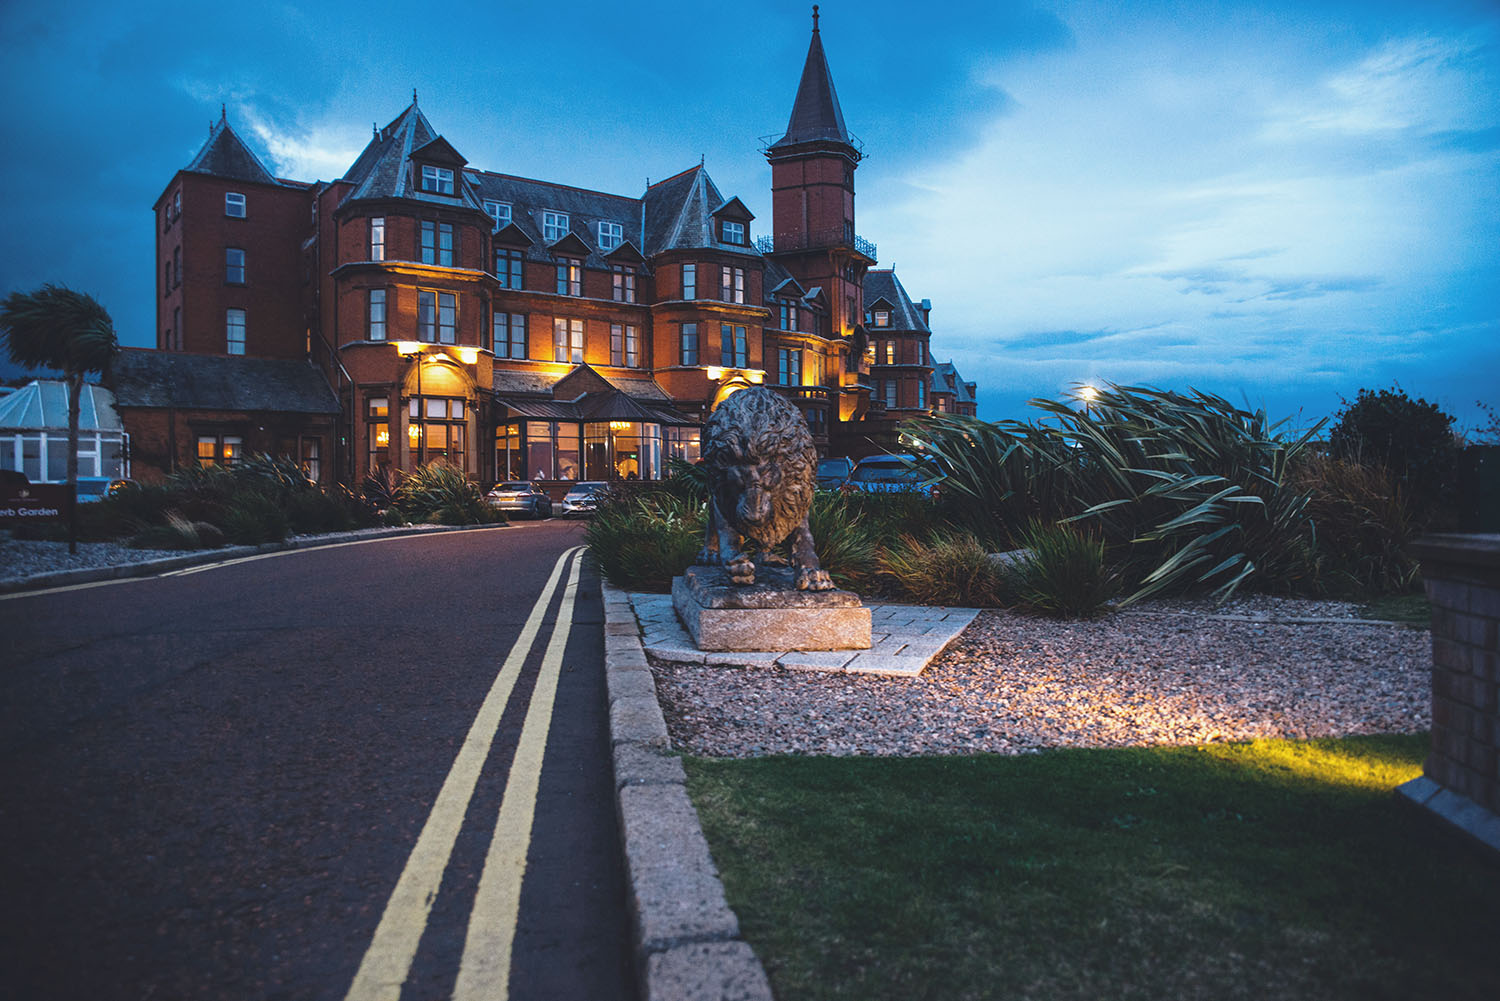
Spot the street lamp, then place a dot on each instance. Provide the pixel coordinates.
(415, 350)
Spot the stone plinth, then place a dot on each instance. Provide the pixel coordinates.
(770, 614)
(1461, 780)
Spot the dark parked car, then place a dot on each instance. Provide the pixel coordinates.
(834, 473)
(889, 474)
(521, 498)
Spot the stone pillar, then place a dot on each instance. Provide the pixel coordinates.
(1461, 778)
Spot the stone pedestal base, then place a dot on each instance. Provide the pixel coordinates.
(770, 614)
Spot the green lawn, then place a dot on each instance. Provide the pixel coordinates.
(1282, 869)
(1410, 609)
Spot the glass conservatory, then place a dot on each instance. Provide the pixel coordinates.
(34, 436)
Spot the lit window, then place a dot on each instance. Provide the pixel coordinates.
(733, 346)
(624, 345)
(569, 276)
(377, 238)
(688, 343)
(732, 284)
(510, 335)
(567, 340)
(890, 352)
(219, 449)
(508, 268)
(690, 281)
(437, 243)
(624, 284)
(234, 265)
(437, 179)
(376, 329)
(611, 235)
(554, 226)
(734, 232)
(234, 331)
(498, 211)
(882, 318)
(234, 204)
(789, 367)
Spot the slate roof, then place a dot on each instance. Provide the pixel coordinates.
(945, 379)
(226, 155)
(816, 115)
(383, 169)
(145, 378)
(883, 284)
(44, 404)
(611, 400)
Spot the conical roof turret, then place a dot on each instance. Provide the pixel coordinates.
(816, 116)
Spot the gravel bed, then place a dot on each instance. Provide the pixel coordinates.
(1165, 673)
(25, 558)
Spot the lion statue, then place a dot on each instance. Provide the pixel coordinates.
(762, 471)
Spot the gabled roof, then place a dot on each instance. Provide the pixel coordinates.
(226, 155)
(572, 245)
(680, 214)
(44, 404)
(816, 115)
(383, 169)
(733, 209)
(883, 284)
(945, 379)
(146, 378)
(528, 199)
(625, 253)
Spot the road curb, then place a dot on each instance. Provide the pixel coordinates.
(150, 568)
(687, 944)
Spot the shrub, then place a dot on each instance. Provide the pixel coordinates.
(1189, 490)
(252, 519)
(441, 494)
(845, 540)
(1363, 525)
(1413, 439)
(177, 532)
(945, 570)
(1062, 571)
(643, 538)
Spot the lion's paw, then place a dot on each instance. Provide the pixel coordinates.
(813, 579)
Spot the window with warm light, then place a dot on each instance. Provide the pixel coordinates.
(624, 281)
(567, 340)
(569, 276)
(220, 449)
(882, 318)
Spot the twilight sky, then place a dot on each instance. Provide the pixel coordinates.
(1280, 203)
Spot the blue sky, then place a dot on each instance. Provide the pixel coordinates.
(1281, 203)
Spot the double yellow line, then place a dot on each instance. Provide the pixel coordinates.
(484, 971)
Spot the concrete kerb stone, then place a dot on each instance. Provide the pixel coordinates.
(687, 945)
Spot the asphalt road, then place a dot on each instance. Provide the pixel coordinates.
(378, 770)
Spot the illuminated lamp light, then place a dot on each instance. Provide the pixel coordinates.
(414, 433)
(755, 375)
(1088, 394)
(619, 425)
(715, 373)
(383, 437)
(468, 355)
(405, 348)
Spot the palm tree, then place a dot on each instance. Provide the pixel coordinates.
(62, 329)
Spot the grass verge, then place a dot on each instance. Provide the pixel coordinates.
(1267, 869)
(1409, 609)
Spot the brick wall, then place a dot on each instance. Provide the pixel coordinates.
(1462, 574)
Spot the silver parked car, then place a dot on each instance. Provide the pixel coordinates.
(521, 498)
(584, 497)
(884, 474)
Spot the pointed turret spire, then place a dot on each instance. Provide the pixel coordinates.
(816, 115)
(226, 155)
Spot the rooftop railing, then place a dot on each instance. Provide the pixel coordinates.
(816, 241)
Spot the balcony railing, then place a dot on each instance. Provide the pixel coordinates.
(816, 241)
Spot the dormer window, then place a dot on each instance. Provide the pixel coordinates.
(438, 180)
(554, 226)
(498, 211)
(611, 235)
(882, 318)
(733, 232)
(234, 204)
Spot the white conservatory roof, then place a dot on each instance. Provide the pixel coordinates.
(44, 404)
